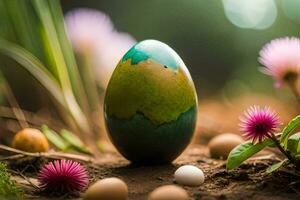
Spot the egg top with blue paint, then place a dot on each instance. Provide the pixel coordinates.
(153, 80)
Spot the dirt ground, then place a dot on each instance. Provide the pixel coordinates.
(247, 182)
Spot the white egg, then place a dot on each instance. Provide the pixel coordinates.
(189, 175)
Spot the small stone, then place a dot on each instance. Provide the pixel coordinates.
(221, 145)
(30, 140)
(189, 175)
(168, 192)
(108, 188)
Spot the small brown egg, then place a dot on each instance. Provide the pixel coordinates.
(221, 145)
(168, 192)
(30, 140)
(108, 188)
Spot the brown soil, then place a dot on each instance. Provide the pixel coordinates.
(247, 182)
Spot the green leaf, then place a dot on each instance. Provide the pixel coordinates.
(288, 129)
(275, 166)
(51, 39)
(293, 143)
(54, 138)
(64, 97)
(35, 67)
(73, 70)
(21, 27)
(244, 151)
(74, 141)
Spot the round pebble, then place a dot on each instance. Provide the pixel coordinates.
(108, 188)
(169, 192)
(221, 145)
(30, 140)
(189, 175)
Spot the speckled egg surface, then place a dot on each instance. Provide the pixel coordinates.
(150, 104)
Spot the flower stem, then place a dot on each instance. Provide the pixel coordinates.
(291, 158)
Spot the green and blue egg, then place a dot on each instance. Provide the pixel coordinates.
(150, 104)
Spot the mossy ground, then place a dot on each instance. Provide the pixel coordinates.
(8, 188)
(247, 182)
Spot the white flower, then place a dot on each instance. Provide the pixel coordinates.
(92, 34)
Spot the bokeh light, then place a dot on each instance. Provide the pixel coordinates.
(251, 14)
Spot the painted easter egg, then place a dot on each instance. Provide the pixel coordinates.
(150, 104)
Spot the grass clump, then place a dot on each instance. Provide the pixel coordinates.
(8, 188)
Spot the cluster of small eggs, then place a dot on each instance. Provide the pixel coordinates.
(115, 188)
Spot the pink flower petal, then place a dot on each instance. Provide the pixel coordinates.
(281, 57)
(258, 123)
(63, 175)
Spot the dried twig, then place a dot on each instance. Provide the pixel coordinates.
(290, 172)
(25, 178)
(14, 157)
(49, 155)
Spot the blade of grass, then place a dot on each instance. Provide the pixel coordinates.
(23, 22)
(90, 84)
(35, 67)
(6, 30)
(54, 138)
(74, 141)
(39, 71)
(44, 14)
(76, 82)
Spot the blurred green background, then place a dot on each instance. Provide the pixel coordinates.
(215, 50)
(218, 40)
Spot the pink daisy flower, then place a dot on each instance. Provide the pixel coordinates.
(281, 57)
(63, 175)
(259, 123)
(88, 28)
